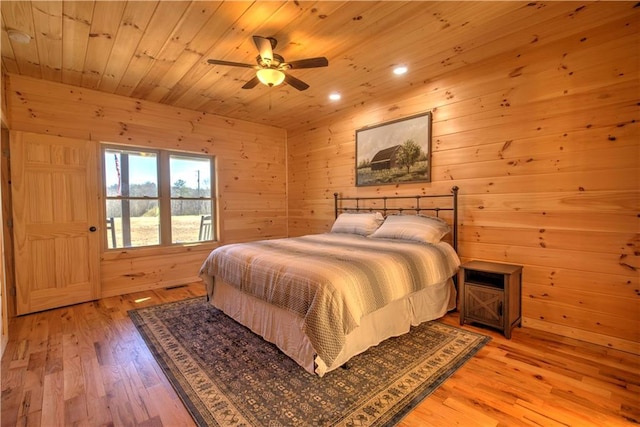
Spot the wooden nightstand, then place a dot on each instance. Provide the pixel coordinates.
(490, 294)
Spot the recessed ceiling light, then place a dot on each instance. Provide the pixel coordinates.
(401, 69)
(19, 36)
(335, 96)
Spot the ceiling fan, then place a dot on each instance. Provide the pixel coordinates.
(271, 67)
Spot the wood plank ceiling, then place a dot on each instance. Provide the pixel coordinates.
(157, 50)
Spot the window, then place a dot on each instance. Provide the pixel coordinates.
(157, 197)
(191, 199)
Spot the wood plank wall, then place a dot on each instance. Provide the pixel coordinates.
(3, 100)
(250, 161)
(543, 142)
(6, 269)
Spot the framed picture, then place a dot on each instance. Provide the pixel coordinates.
(394, 152)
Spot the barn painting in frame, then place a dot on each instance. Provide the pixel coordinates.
(394, 152)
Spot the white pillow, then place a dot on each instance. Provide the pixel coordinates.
(419, 228)
(357, 223)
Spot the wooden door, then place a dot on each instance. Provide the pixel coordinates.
(55, 207)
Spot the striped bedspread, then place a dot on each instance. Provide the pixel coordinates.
(331, 280)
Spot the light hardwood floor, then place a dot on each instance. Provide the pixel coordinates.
(86, 365)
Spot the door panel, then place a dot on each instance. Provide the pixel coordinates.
(56, 200)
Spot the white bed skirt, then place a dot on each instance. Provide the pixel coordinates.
(285, 329)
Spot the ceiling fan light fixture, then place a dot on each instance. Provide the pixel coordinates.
(271, 67)
(270, 76)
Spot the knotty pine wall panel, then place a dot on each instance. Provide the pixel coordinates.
(250, 160)
(122, 275)
(3, 98)
(544, 143)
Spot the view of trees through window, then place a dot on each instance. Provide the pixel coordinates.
(135, 201)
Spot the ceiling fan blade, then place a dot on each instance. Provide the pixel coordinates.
(309, 63)
(264, 47)
(229, 63)
(251, 83)
(296, 83)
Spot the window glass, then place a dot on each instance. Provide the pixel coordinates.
(142, 228)
(191, 202)
(131, 173)
(190, 228)
(190, 177)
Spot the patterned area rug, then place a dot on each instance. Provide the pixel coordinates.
(228, 376)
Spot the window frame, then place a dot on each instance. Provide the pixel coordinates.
(164, 198)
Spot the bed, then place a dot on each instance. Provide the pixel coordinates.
(387, 263)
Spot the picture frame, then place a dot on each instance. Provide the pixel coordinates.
(394, 152)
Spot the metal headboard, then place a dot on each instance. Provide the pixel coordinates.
(381, 204)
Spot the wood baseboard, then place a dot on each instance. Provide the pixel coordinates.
(582, 335)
